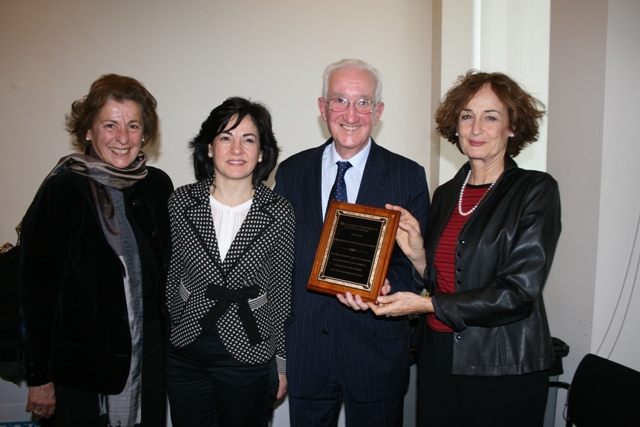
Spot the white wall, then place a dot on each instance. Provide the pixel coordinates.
(496, 36)
(594, 69)
(618, 259)
(594, 65)
(192, 55)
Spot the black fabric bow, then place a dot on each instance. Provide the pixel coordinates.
(224, 298)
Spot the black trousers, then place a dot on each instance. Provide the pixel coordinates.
(207, 387)
(446, 400)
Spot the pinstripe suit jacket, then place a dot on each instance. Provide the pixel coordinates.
(373, 351)
(261, 255)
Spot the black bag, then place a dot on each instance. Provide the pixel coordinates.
(11, 368)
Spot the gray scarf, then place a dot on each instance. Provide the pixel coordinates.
(102, 174)
(103, 177)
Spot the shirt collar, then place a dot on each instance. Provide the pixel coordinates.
(358, 162)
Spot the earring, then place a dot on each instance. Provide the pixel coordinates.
(210, 156)
(511, 136)
(88, 139)
(259, 159)
(143, 139)
(456, 133)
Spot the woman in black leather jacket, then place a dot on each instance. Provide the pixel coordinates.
(489, 244)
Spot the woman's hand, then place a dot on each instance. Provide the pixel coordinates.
(41, 401)
(282, 386)
(400, 304)
(409, 238)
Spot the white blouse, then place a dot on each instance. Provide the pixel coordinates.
(227, 221)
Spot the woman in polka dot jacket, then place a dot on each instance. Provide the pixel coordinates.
(230, 275)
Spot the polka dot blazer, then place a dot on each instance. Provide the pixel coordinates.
(246, 298)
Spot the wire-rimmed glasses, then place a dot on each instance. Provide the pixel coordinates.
(362, 106)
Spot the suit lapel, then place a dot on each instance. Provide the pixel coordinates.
(201, 223)
(312, 190)
(374, 179)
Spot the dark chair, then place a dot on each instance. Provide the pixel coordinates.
(602, 394)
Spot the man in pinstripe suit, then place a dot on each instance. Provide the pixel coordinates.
(342, 352)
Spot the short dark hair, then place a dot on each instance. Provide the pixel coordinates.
(525, 111)
(118, 88)
(235, 108)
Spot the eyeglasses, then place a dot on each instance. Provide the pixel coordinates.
(362, 106)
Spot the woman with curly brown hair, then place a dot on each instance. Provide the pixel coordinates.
(94, 244)
(487, 250)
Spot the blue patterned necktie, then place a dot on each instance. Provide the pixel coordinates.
(339, 189)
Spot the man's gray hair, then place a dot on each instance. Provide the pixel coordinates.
(351, 63)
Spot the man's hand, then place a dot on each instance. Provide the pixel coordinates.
(356, 302)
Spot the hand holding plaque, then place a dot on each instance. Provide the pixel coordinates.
(354, 251)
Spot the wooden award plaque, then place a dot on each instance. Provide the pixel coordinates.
(354, 250)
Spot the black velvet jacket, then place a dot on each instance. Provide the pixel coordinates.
(71, 287)
(503, 256)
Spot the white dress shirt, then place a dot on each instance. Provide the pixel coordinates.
(352, 178)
